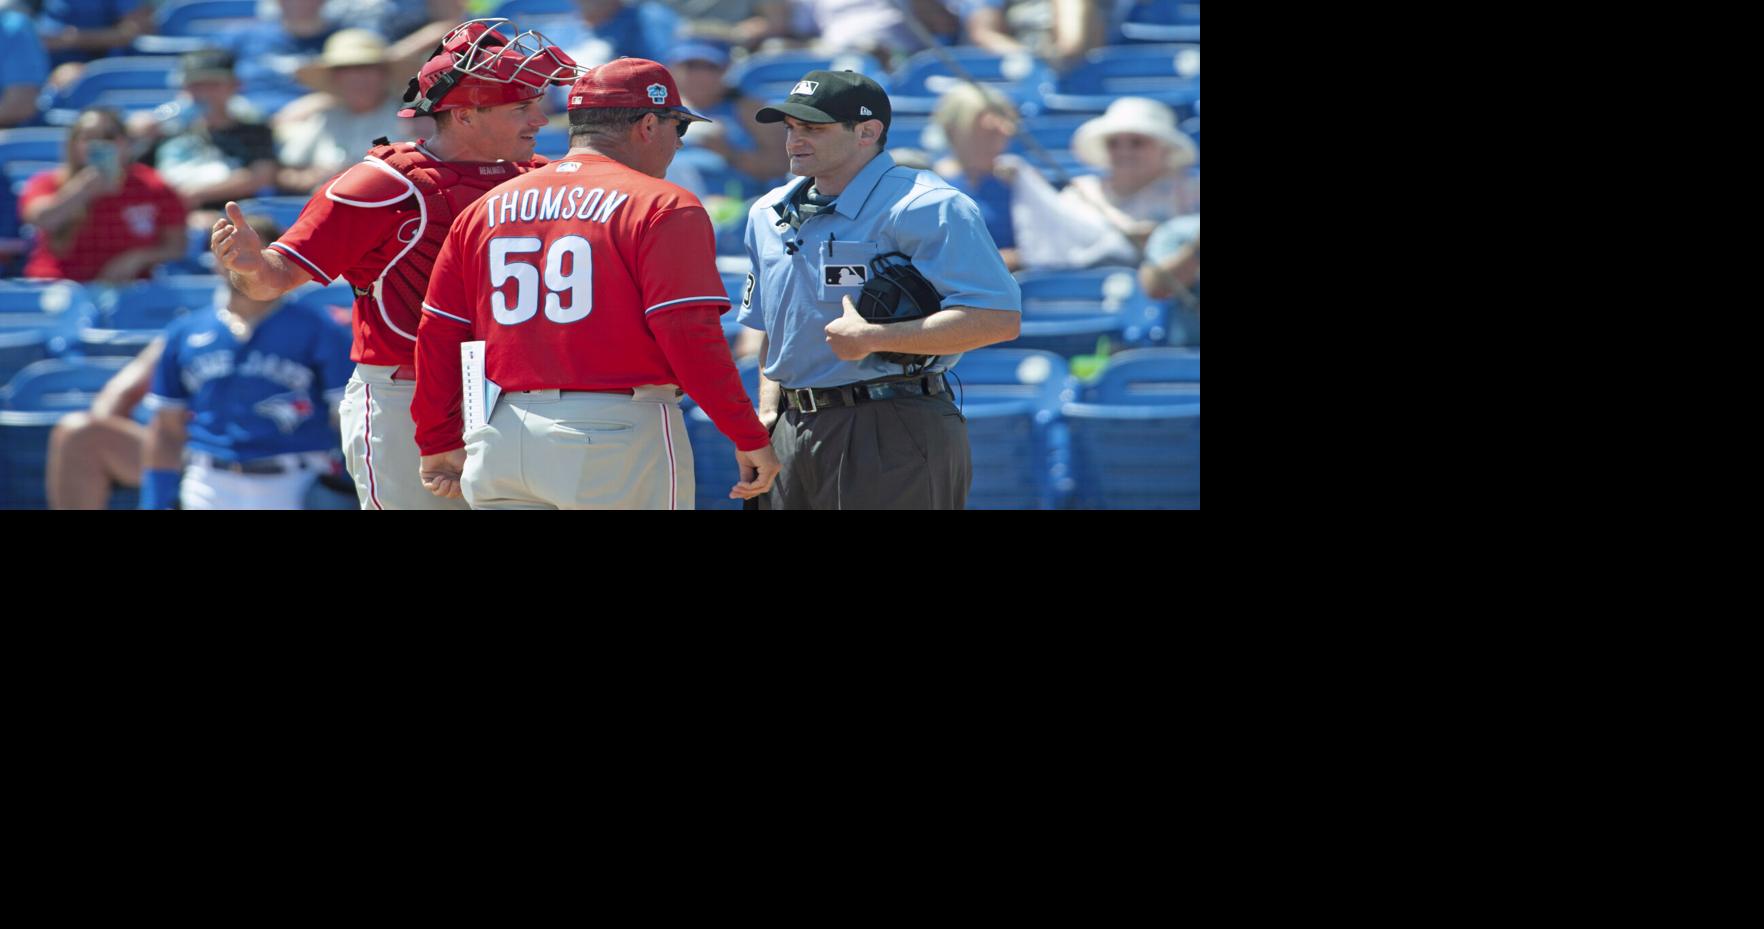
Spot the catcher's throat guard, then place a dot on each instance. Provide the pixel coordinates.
(897, 293)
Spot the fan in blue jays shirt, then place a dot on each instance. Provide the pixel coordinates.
(245, 395)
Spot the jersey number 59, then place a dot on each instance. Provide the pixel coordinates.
(568, 297)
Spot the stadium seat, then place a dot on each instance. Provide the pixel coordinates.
(38, 320)
(769, 76)
(1135, 456)
(130, 317)
(33, 144)
(1066, 312)
(922, 79)
(204, 17)
(1169, 74)
(713, 456)
(1011, 398)
(127, 82)
(1148, 377)
(30, 404)
(536, 12)
(1162, 21)
(1136, 433)
(281, 210)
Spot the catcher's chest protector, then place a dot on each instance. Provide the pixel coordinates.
(446, 188)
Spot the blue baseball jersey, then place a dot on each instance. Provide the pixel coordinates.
(270, 396)
(797, 289)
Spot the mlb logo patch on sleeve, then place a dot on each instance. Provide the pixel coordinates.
(845, 275)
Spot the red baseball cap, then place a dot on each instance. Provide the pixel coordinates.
(629, 82)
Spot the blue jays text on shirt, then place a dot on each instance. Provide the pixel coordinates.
(200, 369)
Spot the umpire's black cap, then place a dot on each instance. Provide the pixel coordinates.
(831, 97)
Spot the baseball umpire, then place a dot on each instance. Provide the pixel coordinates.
(380, 224)
(593, 283)
(866, 416)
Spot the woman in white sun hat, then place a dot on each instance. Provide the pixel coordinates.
(1145, 159)
(325, 132)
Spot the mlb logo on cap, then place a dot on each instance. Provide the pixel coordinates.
(830, 97)
(636, 83)
(803, 88)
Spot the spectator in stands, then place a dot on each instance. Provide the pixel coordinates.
(978, 123)
(873, 27)
(222, 151)
(23, 68)
(754, 149)
(611, 29)
(1145, 158)
(1057, 31)
(320, 135)
(416, 45)
(1172, 261)
(93, 453)
(100, 215)
(744, 23)
(81, 30)
(269, 54)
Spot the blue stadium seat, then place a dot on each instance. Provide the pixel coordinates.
(1011, 398)
(1169, 74)
(204, 17)
(1162, 21)
(32, 143)
(1148, 377)
(127, 82)
(30, 404)
(1066, 312)
(536, 11)
(713, 456)
(282, 210)
(130, 317)
(1136, 433)
(553, 141)
(38, 320)
(1135, 456)
(769, 76)
(922, 79)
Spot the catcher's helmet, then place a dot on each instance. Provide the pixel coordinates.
(476, 64)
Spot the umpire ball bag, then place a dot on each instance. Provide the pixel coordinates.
(897, 293)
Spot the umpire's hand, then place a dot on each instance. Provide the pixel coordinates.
(441, 473)
(758, 468)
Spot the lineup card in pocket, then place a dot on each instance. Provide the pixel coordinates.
(480, 392)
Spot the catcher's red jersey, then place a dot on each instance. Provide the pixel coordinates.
(567, 274)
(379, 225)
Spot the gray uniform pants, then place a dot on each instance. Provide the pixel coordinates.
(904, 454)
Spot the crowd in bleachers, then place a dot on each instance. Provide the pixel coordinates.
(126, 124)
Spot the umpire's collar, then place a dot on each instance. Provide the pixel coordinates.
(851, 199)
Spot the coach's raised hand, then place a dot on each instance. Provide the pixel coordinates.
(236, 246)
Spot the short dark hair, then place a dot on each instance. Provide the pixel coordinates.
(443, 117)
(606, 120)
(881, 140)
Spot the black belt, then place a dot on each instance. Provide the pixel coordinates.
(812, 399)
(255, 466)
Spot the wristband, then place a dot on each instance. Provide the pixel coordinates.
(159, 489)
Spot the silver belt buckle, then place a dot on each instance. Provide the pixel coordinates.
(808, 392)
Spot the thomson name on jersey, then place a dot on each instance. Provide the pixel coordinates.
(533, 204)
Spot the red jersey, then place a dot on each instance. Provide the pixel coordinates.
(379, 225)
(136, 216)
(582, 275)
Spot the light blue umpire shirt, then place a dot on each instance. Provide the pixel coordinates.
(885, 208)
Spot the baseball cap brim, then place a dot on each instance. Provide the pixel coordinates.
(802, 111)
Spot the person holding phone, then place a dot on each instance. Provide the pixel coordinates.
(99, 215)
